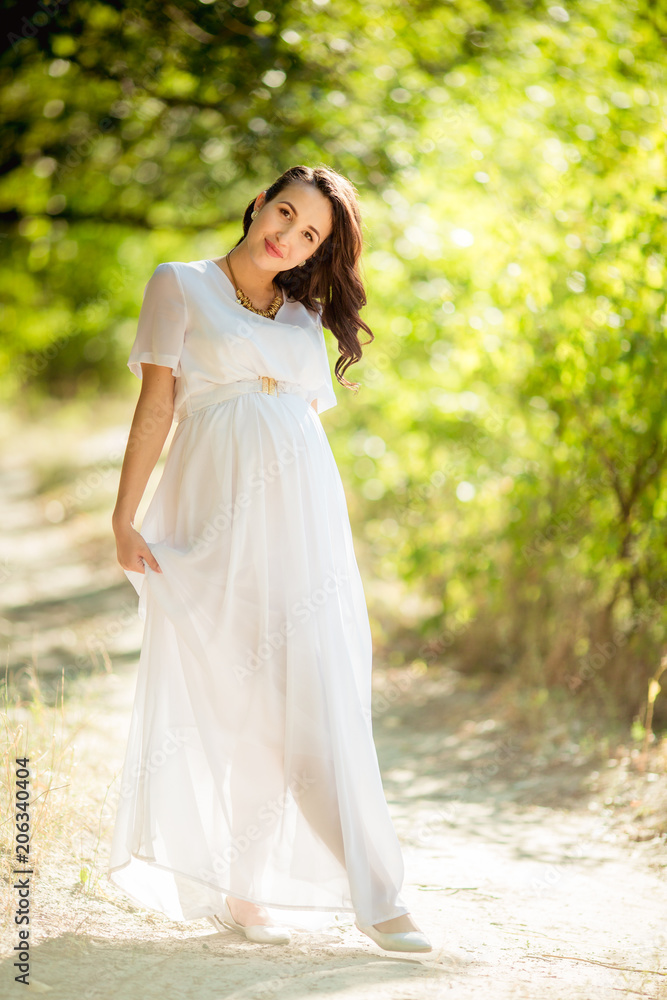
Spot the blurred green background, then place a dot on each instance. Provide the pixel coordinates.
(504, 460)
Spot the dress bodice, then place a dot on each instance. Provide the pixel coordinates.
(192, 322)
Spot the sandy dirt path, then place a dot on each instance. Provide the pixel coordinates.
(524, 890)
(535, 861)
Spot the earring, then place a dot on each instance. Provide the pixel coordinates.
(254, 214)
(302, 263)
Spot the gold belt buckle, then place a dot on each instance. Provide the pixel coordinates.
(269, 385)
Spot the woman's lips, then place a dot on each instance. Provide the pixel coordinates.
(271, 249)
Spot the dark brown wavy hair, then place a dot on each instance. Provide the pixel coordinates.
(330, 278)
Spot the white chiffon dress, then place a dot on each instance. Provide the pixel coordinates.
(250, 766)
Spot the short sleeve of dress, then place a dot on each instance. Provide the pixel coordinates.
(162, 322)
(324, 393)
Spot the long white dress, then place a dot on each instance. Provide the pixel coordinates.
(250, 766)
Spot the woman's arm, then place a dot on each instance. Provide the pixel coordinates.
(151, 424)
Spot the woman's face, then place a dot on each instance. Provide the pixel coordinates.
(290, 228)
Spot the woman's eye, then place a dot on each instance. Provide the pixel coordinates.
(308, 233)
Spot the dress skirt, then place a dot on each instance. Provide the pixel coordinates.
(251, 768)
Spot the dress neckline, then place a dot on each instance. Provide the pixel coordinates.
(236, 301)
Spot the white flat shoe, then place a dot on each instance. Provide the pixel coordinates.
(399, 940)
(260, 933)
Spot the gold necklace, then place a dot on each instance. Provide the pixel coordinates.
(245, 301)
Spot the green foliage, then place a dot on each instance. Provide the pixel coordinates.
(510, 162)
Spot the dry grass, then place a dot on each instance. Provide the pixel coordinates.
(65, 813)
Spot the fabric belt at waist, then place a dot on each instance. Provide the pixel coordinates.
(228, 390)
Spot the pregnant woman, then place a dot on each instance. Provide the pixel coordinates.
(251, 780)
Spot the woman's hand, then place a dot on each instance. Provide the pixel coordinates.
(132, 551)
